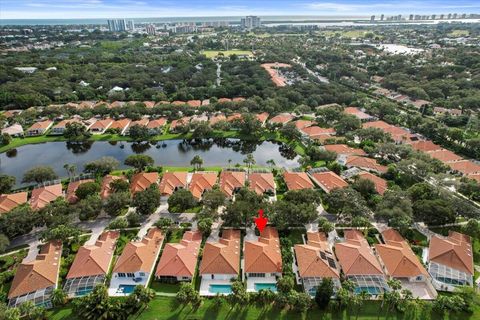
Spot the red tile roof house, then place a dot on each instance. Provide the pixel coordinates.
(343, 150)
(201, 182)
(35, 280)
(39, 128)
(220, 262)
(364, 163)
(263, 261)
(282, 118)
(106, 189)
(44, 195)
(425, 146)
(91, 265)
(297, 180)
(14, 130)
(72, 188)
(101, 126)
(143, 122)
(358, 113)
(465, 167)
(262, 183)
(141, 181)
(11, 201)
(262, 117)
(359, 264)
(400, 262)
(136, 264)
(171, 182)
(450, 261)
(121, 125)
(231, 182)
(179, 260)
(155, 126)
(445, 156)
(59, 129)
(328, 180)
(381, 185)
(301, 124)
(314, 262)
(317, 133)
(179, 123)
(217, 118)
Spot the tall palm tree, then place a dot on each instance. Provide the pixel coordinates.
(66, 166)
(197, 162)
(58, 297)
(249, 160)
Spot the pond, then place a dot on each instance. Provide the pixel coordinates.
(214, 152)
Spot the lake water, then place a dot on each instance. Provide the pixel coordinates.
(170, 153)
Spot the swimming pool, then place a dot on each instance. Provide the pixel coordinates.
(370, 290)
(265, 286)
(220, 288)
(125, 288)
(83, 291)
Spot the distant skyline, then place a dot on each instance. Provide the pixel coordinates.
(84, 9)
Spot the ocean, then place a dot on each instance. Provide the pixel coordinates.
(234, 19)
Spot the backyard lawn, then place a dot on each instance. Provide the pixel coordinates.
(228, 53)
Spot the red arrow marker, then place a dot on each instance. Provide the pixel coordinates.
(261, 222)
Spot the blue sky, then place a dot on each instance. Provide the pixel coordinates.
(66, 9)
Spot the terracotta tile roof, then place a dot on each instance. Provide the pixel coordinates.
(121, 124)
(261, 182)
(357, 113)
(38, 274)
(300, 124)
(328, 180)
(376, 124)
(445, 156)
(205, 102)
(454, 251)
(311, 263)
(264, 256)
(44, 195)
(102, 103)
(72, 188)
(217, 118)
(141, 181)
(179, 122)
(397, 256)
(425, 146)
(12, 200)
(465, 167)
(297, 180)
(194, 103)
(315, 132)
(63, 124)
(223, 100)
(106, 190)
(344, 149)
(365, 163)
(233, 117)
(101, 124)
(238, 99)
(156, 123)
(281, 118)
(140, 255)
(178, 103)
(475, 177)
(222, 257)
(41, 125)
(180, 259)
(230, 181)
(142, 122)
(262, 117)
(172, 181)
(380, 184)
(149, 104)
(94, 259)
(202, 181)
(117, 104)
(355, 255)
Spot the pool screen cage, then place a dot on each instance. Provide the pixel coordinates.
(448, 275)
(374, 284)
(39, 298)
(82, 285)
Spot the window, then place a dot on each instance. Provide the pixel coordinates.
(121, 275)
(142, 274)
(130, 275)
(256, 275)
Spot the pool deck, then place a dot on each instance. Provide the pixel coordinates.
(251, 282)
(205, 286)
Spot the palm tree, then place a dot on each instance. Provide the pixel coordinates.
(249, 160)
(229, 162)
(66, 166)
(58, 297)
(143, 296)
(73, 170)
(197, 162)
(271, 163)
(360, 301)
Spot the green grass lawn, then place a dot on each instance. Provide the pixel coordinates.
(176, 235)
(215, 53)
(167, 308)
(165, 287)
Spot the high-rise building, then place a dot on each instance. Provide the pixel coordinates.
(434, 16)
(449, 16)
(117, 25)
(150, 29)
(410, 17)
(399, 17)
(382, 17)
(130, 25)
(442, 16)
(372, 19)
(250, 22)
(464, 16)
